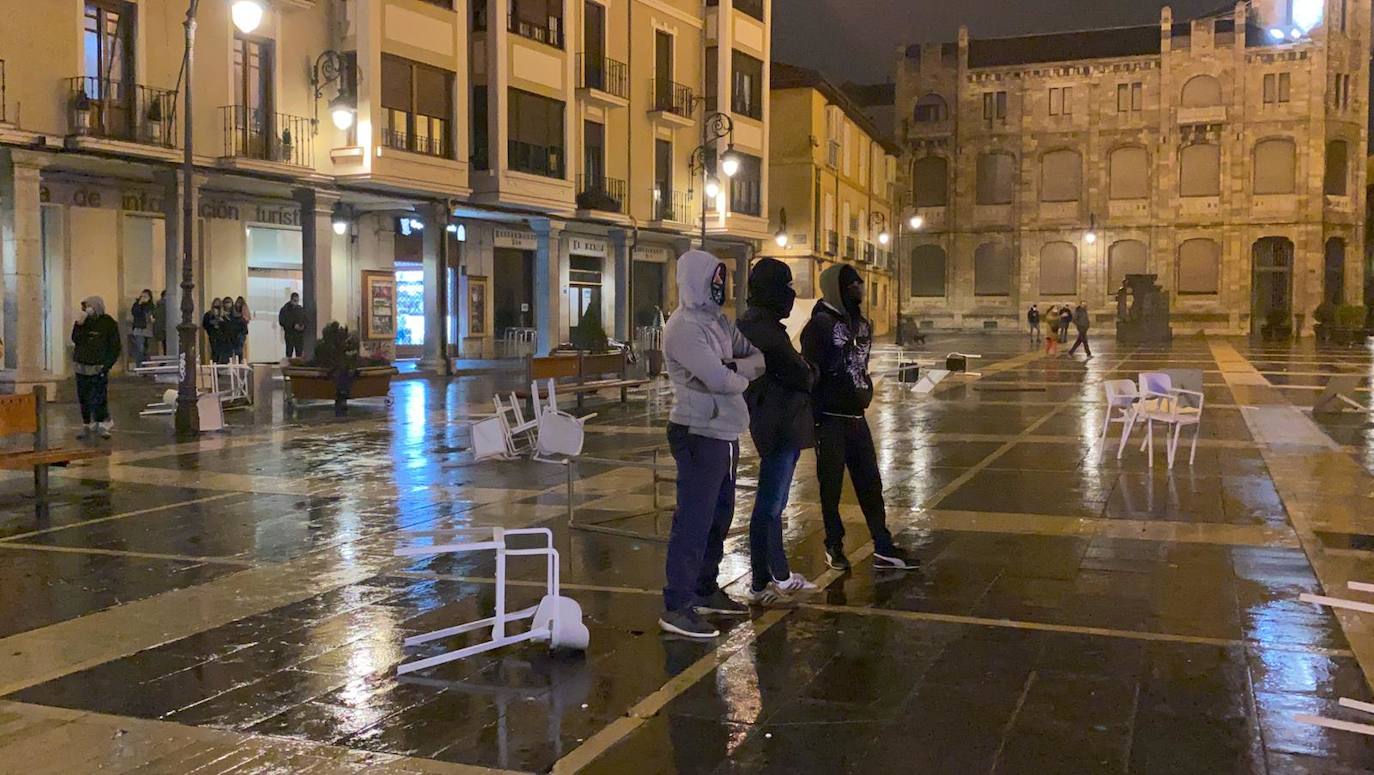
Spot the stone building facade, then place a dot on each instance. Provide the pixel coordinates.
(1223, 154)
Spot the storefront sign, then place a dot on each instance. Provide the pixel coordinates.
(510, 238)
(150, 200)
(653, 253)
(582, 246)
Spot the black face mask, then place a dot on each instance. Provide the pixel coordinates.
(718, 285)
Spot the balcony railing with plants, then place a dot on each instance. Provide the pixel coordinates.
(672, 97)
(251, 133)
(430, 145)
(604, 74)
(534, 159)
(598, 192)
(117, 110)
(550, 34)
(675, 206)
(849, 248)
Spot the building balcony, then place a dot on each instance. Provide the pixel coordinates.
(752, 8)
(426, 145)
(550, 33)
(543, 160)
(600, 193)
(1213, 114)
(258, 135)
(672, 206)
(832, 154)
(849, 248)
(868, 255)
(106, 109)
(672, 101)
(832, 243)
(604, 79)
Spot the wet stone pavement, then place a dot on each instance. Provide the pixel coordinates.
(234, 604)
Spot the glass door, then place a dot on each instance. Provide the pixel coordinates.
(107, 56)
(253, 98)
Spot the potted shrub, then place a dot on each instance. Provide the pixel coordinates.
(286, 145)
(1350, 323)
(81, 112)
(156, 131)
(588, 334)
(1277, 325)
(1325, 317)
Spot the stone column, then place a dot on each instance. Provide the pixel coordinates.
(623, 263)
(169, 181)
(546, 292)
(317, 259)
(435, 252)
(21, 255)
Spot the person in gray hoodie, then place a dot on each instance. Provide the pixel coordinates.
(710, 364)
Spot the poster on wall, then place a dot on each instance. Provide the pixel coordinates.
(477, 306)
(379, 300)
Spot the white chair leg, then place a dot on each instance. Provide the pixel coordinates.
(1125, 433)
(1106, 423)
(1197, 428)
(1150, 440)
(1172, 441)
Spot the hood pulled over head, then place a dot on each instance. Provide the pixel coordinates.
(770, 287)
(833, 282)
(95, 304)
(701, 279)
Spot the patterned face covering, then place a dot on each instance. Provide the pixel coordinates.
(718, 285)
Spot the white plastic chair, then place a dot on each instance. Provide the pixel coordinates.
(1160, 402)
(1121, 397)
(1149, 381)
(559, 435)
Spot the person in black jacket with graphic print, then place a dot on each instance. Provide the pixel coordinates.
(95, 337)
(837, 340)
(782, 425)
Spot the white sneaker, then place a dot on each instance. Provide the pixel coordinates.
(770, 596)
(104, 428)
(87, 431)
(796, 583)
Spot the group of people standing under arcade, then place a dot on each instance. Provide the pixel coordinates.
(729, 378)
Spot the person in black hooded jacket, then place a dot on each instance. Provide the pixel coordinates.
(838, 339)
(781, 423)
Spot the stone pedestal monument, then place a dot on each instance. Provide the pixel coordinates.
(1145, 320)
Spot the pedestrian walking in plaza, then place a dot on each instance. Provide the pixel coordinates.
(96, 339)
(837, 340)
(1052, 338)
(160, 323)
(1033, 323)
(142, 322)
(1081, 322)
(239, 316)
(291, 318)
(781, 424)
(215, 322)
(710, 364)
(1065, 321)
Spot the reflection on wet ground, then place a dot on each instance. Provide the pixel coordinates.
(1073, 612)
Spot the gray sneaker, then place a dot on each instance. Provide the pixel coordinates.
(720, 603)
(771, 596)
(687, 624)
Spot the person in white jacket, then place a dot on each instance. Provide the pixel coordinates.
(710, 364)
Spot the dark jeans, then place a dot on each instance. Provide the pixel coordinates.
(845, 442)
(1083, 340)
(767, 559)
(295, 345)
(1063, 333)
(705, 508)
(92, 390)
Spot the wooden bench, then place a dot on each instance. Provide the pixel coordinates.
(582, 373)
(23, 414)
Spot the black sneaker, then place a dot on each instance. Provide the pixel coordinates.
(687, 624)
(834, 557)
(894, 559)
(720, 603)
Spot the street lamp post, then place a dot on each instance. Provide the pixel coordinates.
(714, 128)
(247, 14)
(914, 223)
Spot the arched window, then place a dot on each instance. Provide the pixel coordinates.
(996, 178)
(992, 270)
(931, 182)
(1059, 269)
(928, 270)
(1125, 257)
(1061, 176)
(1337, 168)
(1275, 166)
(1201, 91)
(931, 108)
(1199, 267)
(1128, 173)
(1333, 282)
(1200, 170)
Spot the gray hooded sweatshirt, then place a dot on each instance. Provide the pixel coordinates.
(698, 342)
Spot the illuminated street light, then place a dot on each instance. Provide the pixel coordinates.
(729, 163)
(916, 222)
(247, 15)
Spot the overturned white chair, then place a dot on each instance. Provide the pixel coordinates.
(1160, 402)
(559, 436)
(556, 620)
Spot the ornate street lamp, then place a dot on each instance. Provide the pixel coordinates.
(780, 237)
(714, 128)
(329, 68)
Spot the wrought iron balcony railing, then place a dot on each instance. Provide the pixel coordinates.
(849, 248)
(832, 243)
(550, 34)
(598, 192)
(118, 110)
(251, 133)
(675, 206)
(429, 145)
(672, 97)
(604, 74)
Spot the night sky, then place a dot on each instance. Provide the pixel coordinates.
(856, 40)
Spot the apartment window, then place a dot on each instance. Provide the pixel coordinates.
(1271, 89)
(253, 74)
(930, 109)
(417, 106)
(1337, 168)
(1059, 269)
(538, 20)
(594, 155)
(931, 182)
(927, 271)
(747, 94)
(1200, 170)
(1199, 267)
(1061, 100)
(1061, 176)
(712, 78)
(1128, 173)
(1130, 97)
(994, 106)
(107, 60)
(1285, 87)
(1137, 96)
(1127, 256)
(481, 130)
(1275, 166)
(536, 134)
(996, 178)
(992, 270)
(746, 187)
(663, 181)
